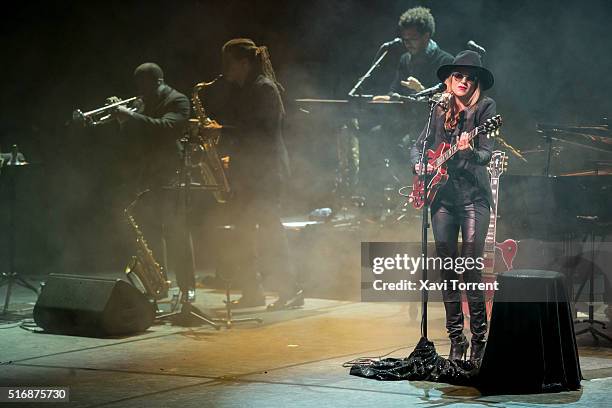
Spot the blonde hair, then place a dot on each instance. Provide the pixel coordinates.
(452, 114)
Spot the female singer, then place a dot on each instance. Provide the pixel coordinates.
(463, 203)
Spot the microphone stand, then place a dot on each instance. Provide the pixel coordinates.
(549, 145)
(359, 97)
(187, 312)
(424, 177)
(365, 76)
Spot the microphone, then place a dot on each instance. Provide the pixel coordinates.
(471, 44)
(391, 43)
(430, 91)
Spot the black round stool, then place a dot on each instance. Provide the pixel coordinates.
(531, 346)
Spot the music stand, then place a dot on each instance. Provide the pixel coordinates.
(9, 164)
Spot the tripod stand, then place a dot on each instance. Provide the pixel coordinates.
(185, 184)
(591, 322)
(12, 277)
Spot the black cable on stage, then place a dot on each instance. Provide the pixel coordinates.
(366, 360)
(9, 325)
(30, 325)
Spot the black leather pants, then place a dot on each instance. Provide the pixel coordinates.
(473, 221)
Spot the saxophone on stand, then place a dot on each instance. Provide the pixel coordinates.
(143, 271)
(207, 132)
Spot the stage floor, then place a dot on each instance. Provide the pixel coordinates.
(293, 359)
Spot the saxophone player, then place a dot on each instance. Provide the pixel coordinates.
(151, 133)
(259, 166)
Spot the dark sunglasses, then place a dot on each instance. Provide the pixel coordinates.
(459, 76)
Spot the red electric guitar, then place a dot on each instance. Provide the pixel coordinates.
(438, 159)
(509, 247)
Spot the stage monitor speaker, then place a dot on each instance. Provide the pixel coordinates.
(94, 307)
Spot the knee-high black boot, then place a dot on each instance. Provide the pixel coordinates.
(454, 326)
(478, 327)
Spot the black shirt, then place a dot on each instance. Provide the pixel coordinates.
(468, 176)
(462, 186)
(423, 66)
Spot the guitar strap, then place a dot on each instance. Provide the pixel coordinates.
(470, 118)
(453, 136)
(460, 126)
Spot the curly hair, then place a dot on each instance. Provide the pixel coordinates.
(420, 18)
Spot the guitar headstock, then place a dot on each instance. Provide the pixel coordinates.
(498, 163)
(492, 125)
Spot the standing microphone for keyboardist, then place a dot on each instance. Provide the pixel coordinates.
(475, 47)
(391, 43)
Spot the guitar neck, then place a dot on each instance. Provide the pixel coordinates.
(490, 240)
(455, 148)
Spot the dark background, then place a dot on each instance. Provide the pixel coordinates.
(551, 61)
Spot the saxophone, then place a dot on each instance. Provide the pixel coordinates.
(142, 270)
(208, 132)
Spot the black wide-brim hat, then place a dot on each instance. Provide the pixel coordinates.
(468, 59)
